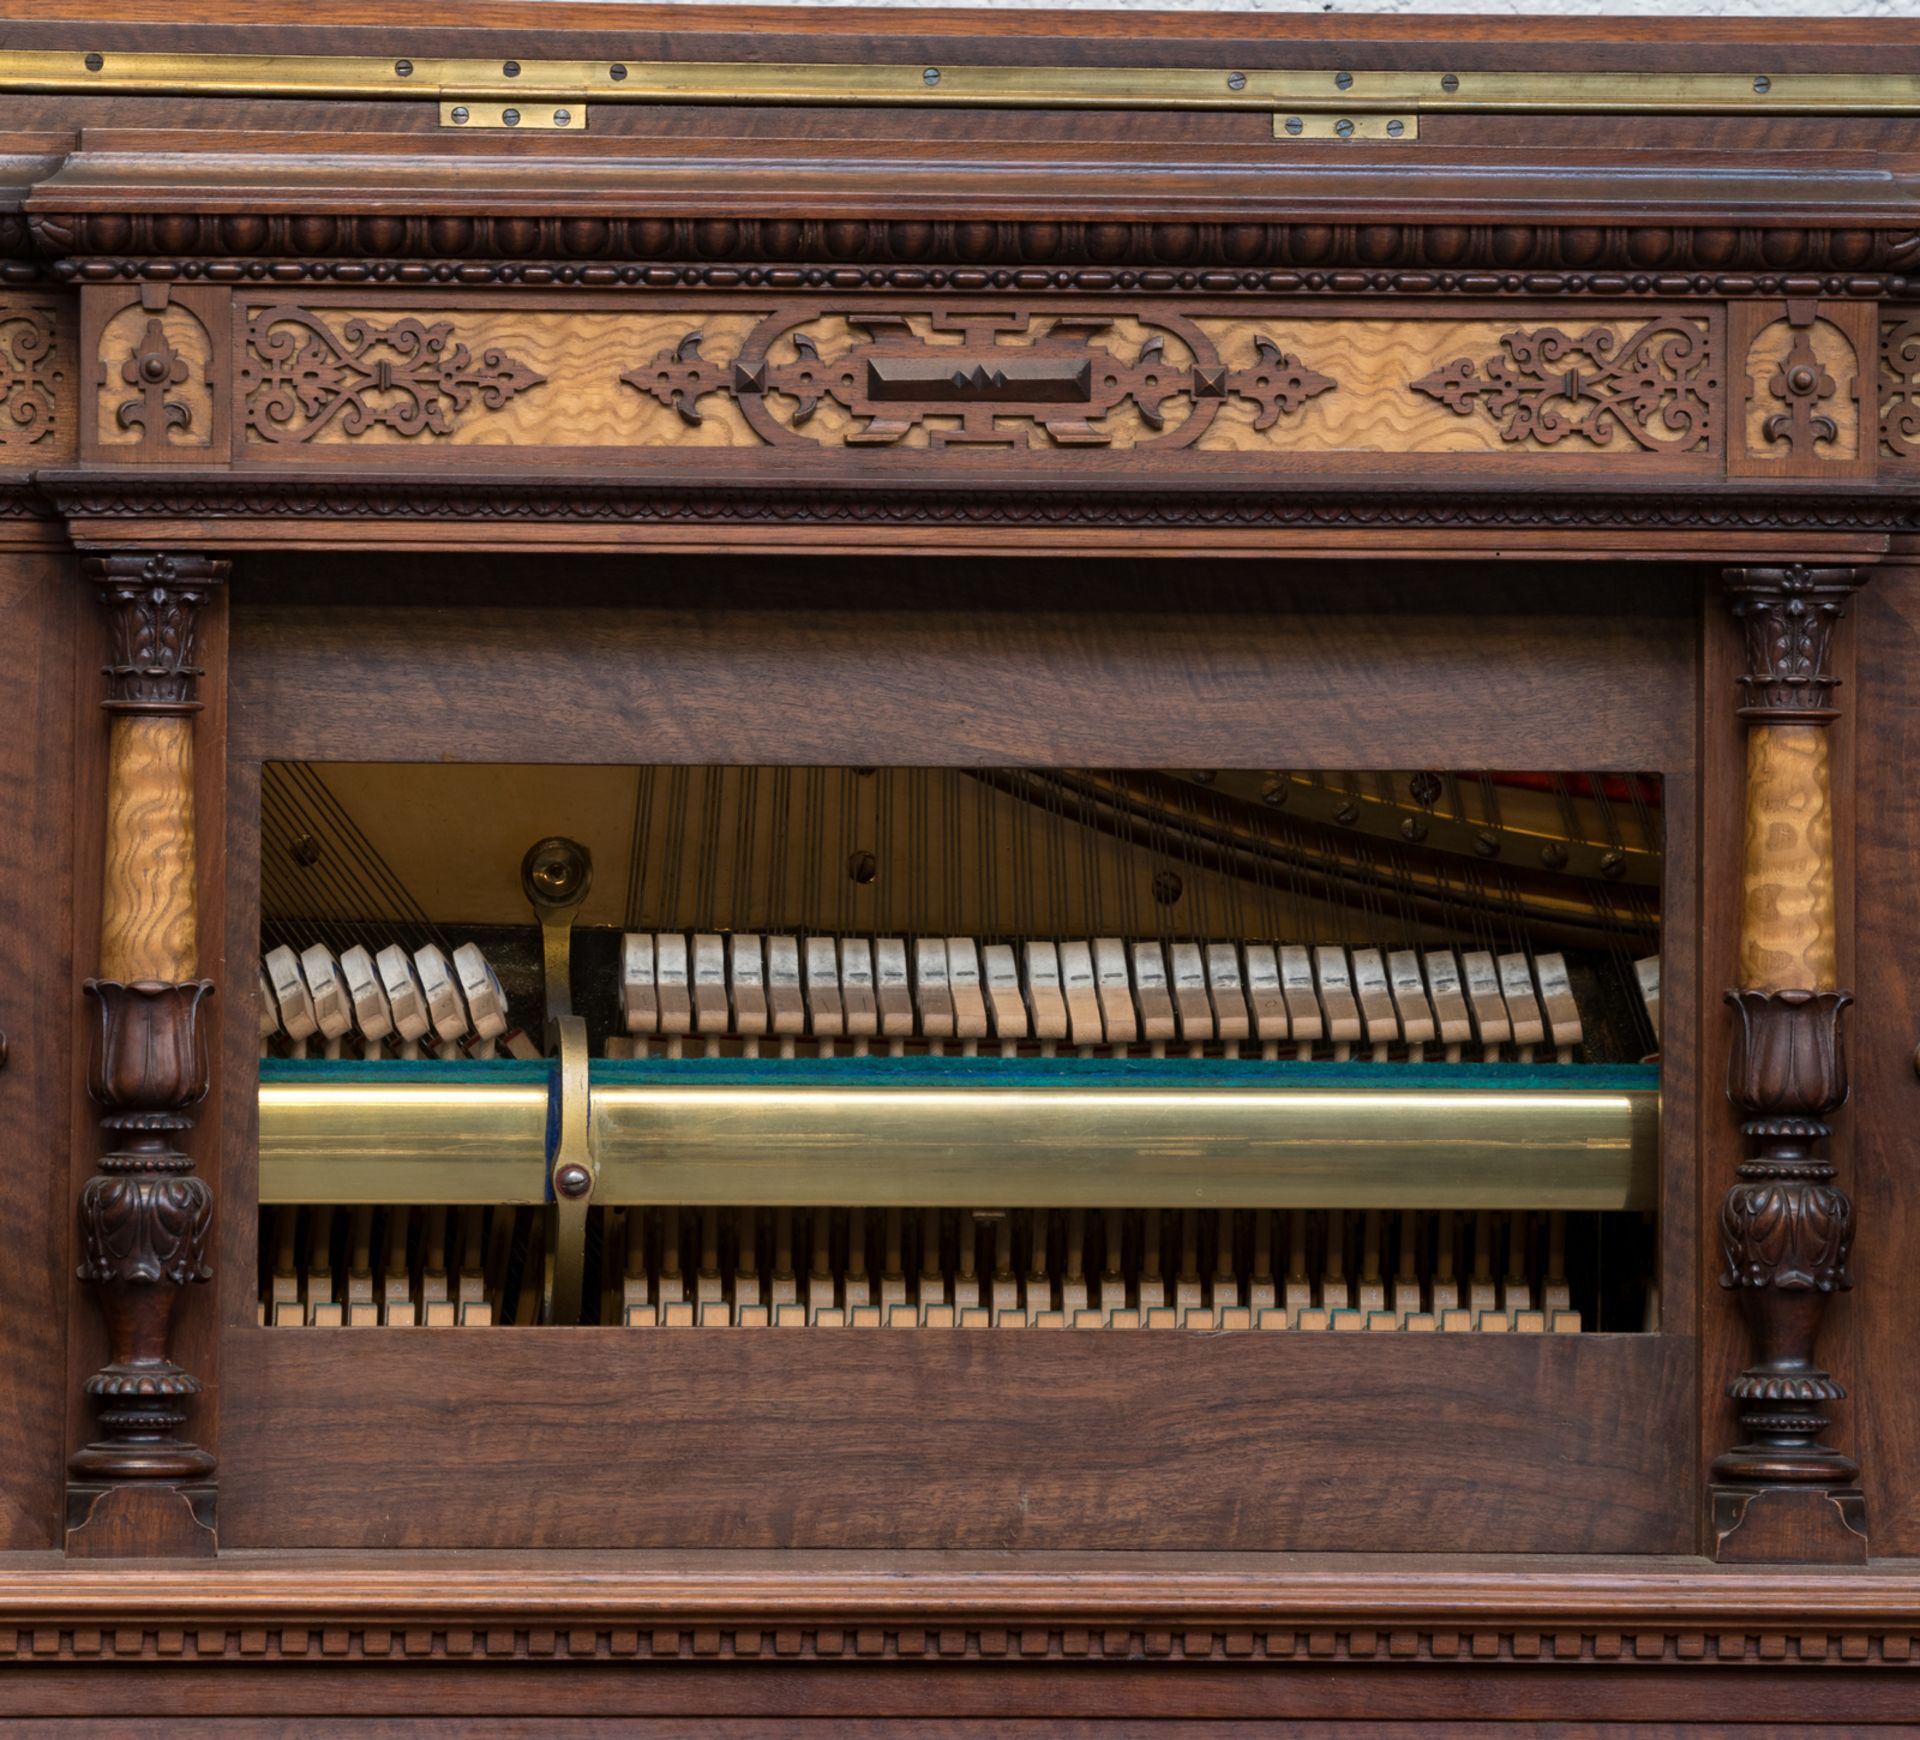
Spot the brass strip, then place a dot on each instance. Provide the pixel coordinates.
(727, 82)
(1137, 1147)
(573, 1150)
(1398, 1147)
(362, 1143)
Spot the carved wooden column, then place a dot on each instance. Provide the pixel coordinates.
(1786, 1228)
(145, 1216)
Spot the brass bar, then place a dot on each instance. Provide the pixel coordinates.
(985, 1147)
(913, 84)
(412, 1143)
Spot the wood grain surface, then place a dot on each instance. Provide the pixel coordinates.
(120, 340)
(1787, 922)
(964, 662)
(40, 605)
(147, 899)
(896, 1440)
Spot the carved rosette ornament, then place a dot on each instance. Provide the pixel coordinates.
(145, 1215)
(1786, 1228)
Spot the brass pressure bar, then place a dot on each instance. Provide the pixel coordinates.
(985, 1147)
(1290, 90)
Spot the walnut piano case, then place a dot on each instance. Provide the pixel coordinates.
(1054, 873)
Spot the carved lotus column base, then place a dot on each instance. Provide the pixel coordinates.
(149, 1519)
(1809, 1525)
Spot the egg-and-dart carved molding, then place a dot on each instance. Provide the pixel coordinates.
(992, 379)
(1571, 245)
(494, 500)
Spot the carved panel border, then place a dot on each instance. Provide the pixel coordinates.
(505, 1638)
(1699, 257)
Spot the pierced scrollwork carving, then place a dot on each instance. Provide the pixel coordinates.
(1900, 388)
(299, 376)
(1659, 386)
(29, 377)
(977, 379)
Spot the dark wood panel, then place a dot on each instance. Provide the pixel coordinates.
(1745, 1702)
(578, 1438)
(963, 662)
(1883, 1423)
(39, 608)
(831, 1727)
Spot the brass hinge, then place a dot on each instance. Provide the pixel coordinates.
(1306, 104)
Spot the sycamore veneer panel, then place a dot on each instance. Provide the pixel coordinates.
(884, 1439)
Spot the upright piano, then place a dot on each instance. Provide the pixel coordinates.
(957, 873)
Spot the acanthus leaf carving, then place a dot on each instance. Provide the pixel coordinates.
(145, 1228)
(1659, 386)
(300, 376)
(987, 379)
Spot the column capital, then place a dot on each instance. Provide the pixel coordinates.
(1788, 614)
(153, 602)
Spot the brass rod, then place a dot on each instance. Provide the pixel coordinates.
(915, 84)
(1395, 1146)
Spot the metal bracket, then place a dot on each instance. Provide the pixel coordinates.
(532, 117)
(556, 875)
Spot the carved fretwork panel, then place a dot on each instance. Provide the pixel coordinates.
(1803, 389)
(1656, 387)
(159, 374)
(1188, 385)
(342, 376)
(1899, 395)
(38, 388)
